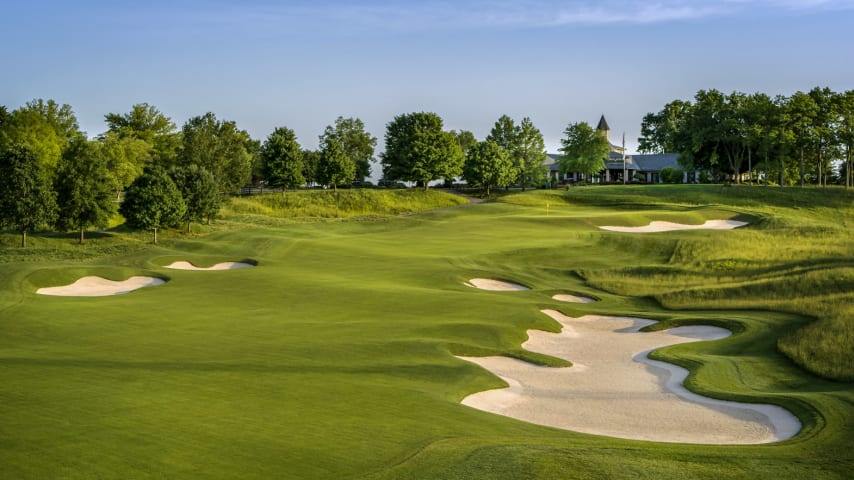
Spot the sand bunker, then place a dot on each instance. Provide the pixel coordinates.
(100, 287)
(219, 266)
(495, 285)
(613, 389)
(573, 298)
(669, 226)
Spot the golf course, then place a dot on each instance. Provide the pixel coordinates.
(334, 335)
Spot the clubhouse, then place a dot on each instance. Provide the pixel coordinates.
(644, 168)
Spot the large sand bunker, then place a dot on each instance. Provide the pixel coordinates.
(219, 266)
(495, 285)
(100, 287)
(613, 389)
(572, 298)
(670, 226)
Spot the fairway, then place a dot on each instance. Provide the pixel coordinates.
(334, 356)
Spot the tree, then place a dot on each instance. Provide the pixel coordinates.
(487, 164)
(418, 150)
(505, 133)
(145, 122)
(583, 149)
(465, 140)
(801, 111)
(824, 124)
(220, 148)
(846, 133)
(281, 160)
(530, 155)
(125, 158)
(310, 162)
(83, 188)
(660, 131)
(334, 166)
(355, 142)
(44, 127)
(26, 199)
(199, 192)
(153, 201)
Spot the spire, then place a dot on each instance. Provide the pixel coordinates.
(603, 125)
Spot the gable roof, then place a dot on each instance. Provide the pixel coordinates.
(655, 162)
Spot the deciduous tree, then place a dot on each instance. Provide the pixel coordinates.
(418, 150)
(530, 155)
(26, 199)
(334, 166)
(583, 149)
(355, 142)
(220, 148)
(281, 160)
(153, 201)
(83, 188)
(198, 190)
(488, 165)
(145, 122)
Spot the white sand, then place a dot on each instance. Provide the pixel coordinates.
(100, 287)
(572, 298)
(219, 266)
(669, 226)
(495, 285)
(613, 389)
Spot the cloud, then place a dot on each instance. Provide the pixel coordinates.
(360, 16)
(429, 14)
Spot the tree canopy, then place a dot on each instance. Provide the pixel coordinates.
(153, 201)
(44, 127)
(26, 199)
(489, 165)
(220, 148)
(199, 192)
(418, 150)
(83, 188)
(145, 122)
(794, 139)
(282, 159)
(334, 167)
(355, 142)
(583, 149)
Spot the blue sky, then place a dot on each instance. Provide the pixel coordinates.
(300, 64)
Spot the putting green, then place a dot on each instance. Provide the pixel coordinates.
(337, 358)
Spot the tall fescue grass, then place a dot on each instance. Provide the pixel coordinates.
(328, 204)
(797, 256)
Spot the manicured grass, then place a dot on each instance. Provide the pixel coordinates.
(333, 358)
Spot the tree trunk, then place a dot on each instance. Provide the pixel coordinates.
(782, 171)
(188, 227)
(155, 236)
(749, 168)
(802, 167)
(487, 190)
(766, 168)
(81, 235)
(24, 238)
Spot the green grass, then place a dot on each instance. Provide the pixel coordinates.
(333, 358)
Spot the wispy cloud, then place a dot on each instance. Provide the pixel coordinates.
(390, 15)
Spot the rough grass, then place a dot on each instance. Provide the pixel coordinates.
(333, 358)
(797, 256)
(328, 204)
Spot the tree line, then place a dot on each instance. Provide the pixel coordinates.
(52, 174)
(795, 139)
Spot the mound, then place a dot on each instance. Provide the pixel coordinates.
(100, 287)
(495, 285)
(182, 265)
(657, 226)
(613, 389)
